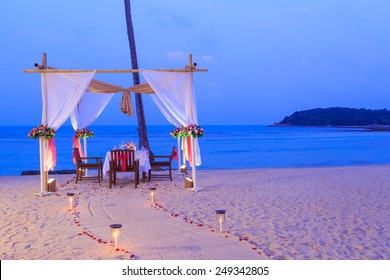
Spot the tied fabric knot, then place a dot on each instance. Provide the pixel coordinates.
(126, 105)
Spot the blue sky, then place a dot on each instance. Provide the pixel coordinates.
(266, 59)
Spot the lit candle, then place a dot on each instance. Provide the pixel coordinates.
(70, 198)
(221, 218)
(152, 192)
(115, 232)
(183, 169)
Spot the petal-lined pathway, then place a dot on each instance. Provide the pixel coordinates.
(148, 232)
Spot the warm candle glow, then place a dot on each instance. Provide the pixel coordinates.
(221, 218)
(115, 235)
(152, 192)
(115, 232)
(183, 169)
(152, 196)
(71, 199)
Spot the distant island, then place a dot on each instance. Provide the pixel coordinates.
(338, 116)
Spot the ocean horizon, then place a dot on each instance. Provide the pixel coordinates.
(222, 146)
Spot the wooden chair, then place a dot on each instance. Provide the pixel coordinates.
(83, 163)
(123, 161)
(161, 163)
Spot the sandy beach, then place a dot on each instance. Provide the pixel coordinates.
(338, 213)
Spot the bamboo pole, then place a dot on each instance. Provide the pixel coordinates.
(192, 67)
(44, 121)
(108, 71)
(44, 174)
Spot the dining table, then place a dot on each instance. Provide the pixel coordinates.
(141, 155)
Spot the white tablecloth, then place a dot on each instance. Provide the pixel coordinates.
(142, 156)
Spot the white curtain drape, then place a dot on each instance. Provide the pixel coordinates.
(88, 109)
(175, 97)
(64, 92)
(86, 112)
(60, 95)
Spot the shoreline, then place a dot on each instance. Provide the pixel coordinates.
(357, 128)
(73, 171)
(282, 213)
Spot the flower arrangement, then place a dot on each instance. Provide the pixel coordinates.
(194, 130)
(84, 133)
(191, 130)
(42, 130)
(128, 146)
(176, 132)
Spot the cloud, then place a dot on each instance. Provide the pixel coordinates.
(183, 56)
(206, 57)
(301, 9)
(177, 55)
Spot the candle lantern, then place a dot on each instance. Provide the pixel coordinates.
(71, 199)
(116, 230)
(183, 169)
(221, 217)
(188, 183)
(152, 192)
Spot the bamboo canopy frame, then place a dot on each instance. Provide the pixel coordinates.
(190, 68)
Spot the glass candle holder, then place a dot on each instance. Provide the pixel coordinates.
(152, 192)
(116, 230)
(70, 199)
(221, 217)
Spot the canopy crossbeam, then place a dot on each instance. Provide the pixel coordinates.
(108, 70)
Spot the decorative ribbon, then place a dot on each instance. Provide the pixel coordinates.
(77, 144)
(122, 159)
(189, 150)
(51, 157)
(175, 155)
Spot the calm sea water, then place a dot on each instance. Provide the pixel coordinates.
(222, 147)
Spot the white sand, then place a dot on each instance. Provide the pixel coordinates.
(318, 213)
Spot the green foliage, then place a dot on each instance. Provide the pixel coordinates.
(337, 116)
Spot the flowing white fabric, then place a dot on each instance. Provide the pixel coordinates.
(175, 97)
(88, 109)
(60, 95)
(64, 92)
(86, 112)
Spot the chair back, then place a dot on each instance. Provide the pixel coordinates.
(171, 156)
(123, 160)
(173, 153)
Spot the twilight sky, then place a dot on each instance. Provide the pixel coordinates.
(266, 59)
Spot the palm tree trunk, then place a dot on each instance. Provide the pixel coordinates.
(142, 132)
